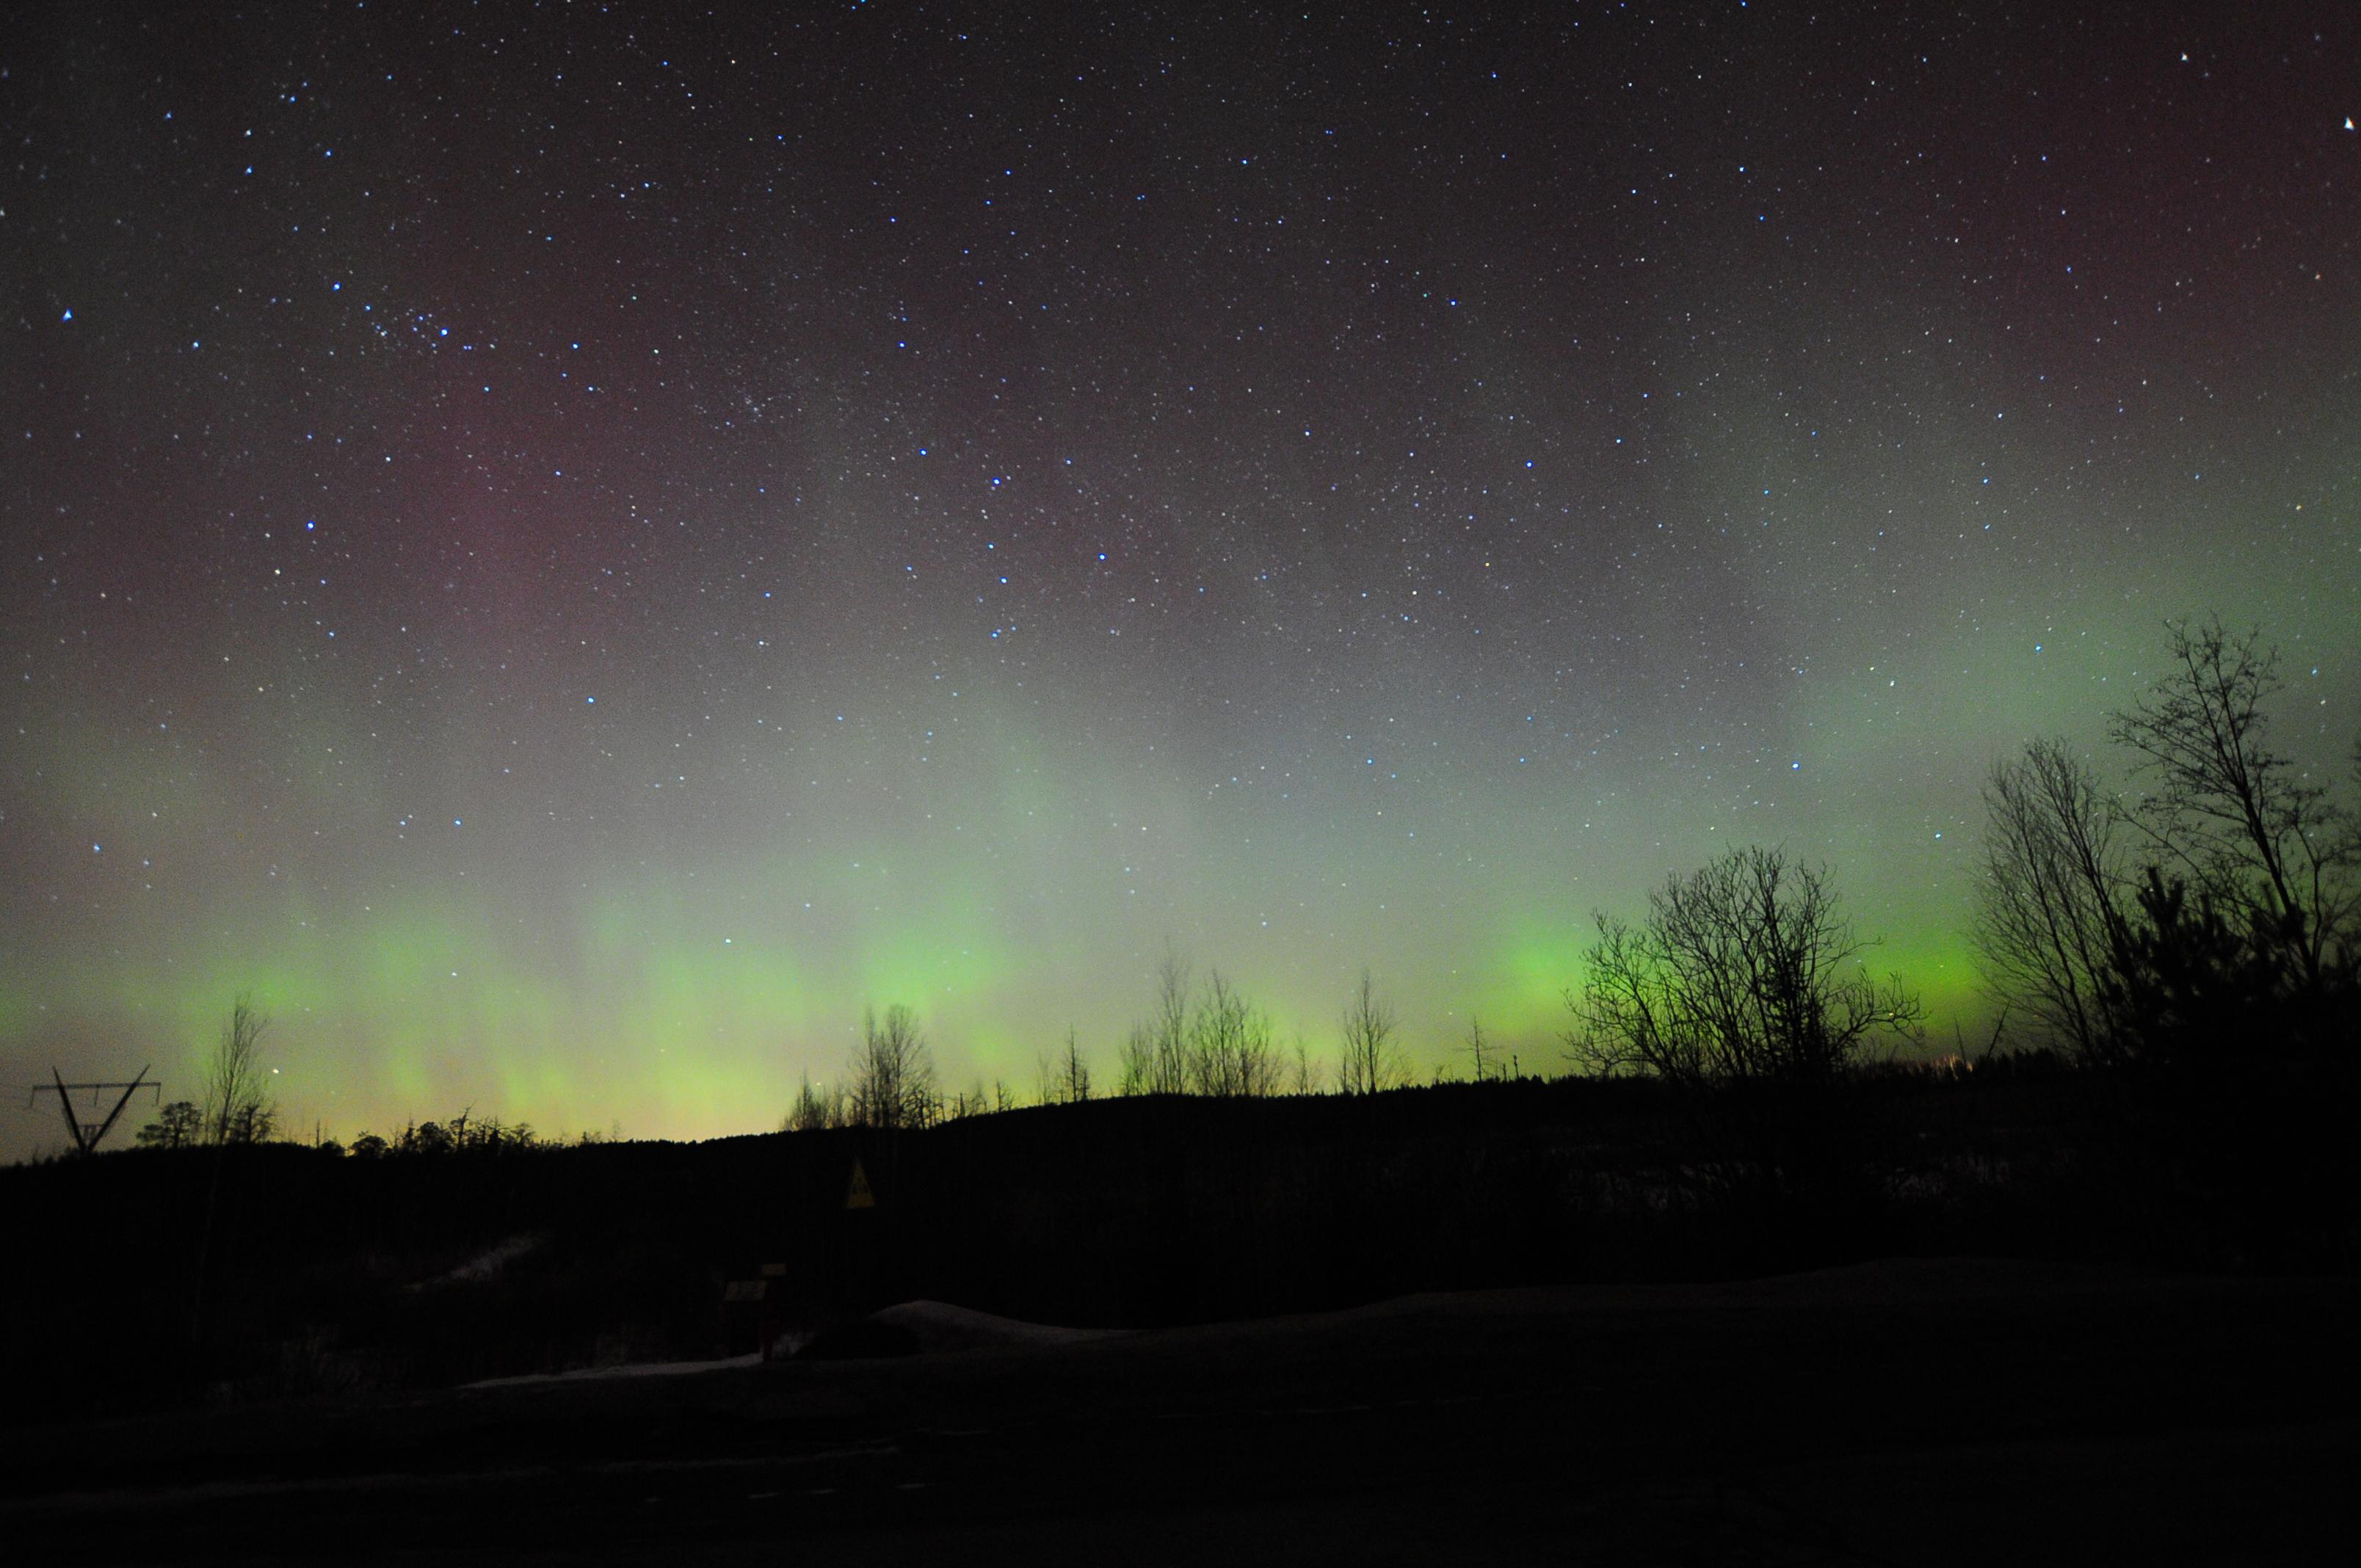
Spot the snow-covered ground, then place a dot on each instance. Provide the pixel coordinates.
(938, 1325)
(624, 1370)
(934, 1326)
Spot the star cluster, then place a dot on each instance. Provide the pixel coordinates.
(569, 549)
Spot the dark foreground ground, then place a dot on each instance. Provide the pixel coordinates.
(1916, 1412)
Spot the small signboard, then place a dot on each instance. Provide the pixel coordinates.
(857, 1194)
(746, 1290)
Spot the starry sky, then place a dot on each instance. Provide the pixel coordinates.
(568, 548)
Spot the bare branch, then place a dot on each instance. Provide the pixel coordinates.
(893, 1072)
(1369, 1062)
(1742, 971)
(2238, 819)
(237, 1108)
(2050, 915)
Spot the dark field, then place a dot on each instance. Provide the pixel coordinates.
(1916, 1411)
(1487, 1323)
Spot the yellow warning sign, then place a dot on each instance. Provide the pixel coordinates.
(857, 1195)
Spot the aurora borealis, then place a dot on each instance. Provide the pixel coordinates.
(568, 549)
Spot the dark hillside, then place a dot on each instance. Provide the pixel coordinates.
(165, 1277)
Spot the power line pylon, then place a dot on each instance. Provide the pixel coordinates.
(86, 1135)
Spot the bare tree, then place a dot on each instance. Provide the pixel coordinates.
(814, 1108)
(1744, 989)
(2178, 920)
(1229, 1043)
(1743, 972)
(2052, 909)
(178, 1125)
(1168, 1030)
(1064, 1078)
(2239, 820)
(893, 1072)
(1476, 1047)
(1307, 1076)
(1369, 1062)
(238, 1109)
(1156, 1053)
(1138, 1062)
(966, 1102)
(1073, 1071)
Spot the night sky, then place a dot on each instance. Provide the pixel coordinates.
(568, 549)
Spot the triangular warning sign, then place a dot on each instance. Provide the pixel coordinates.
(857, 1195)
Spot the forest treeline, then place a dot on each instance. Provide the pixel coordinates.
(2167, 922)
(2172, 917)
(2182, 919)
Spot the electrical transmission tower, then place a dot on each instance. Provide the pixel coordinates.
(87, 1136)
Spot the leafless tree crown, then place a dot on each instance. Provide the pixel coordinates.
(1072, 1083)
(893, 1072)
(2236, 818)
(2050, 910)
(1156, 1057)
(1230, 1051)
(817, 1107)
(1368, 1061)
(2074, 874)
(1741, 971)
(238, 1109)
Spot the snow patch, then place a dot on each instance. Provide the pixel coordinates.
(485, 1264)
(938, 1325)
(627, 1369)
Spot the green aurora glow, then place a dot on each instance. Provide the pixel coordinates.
(572, 673)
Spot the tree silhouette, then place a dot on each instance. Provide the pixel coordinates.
(426, 1137)
(1368, 1061)
(2106, 922)
(2231, 816)
(238, 1110)
(1168, 1030)
(814, 1108)
(1229, 1043)
(1069, 1082)
(1479, 1048)
(1742, 971)
(1744, 989)
(1306, 1075)
(893, 1072)
(2050, 919)
(1156, 1053)
(178, 1125)
(2192, 987)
